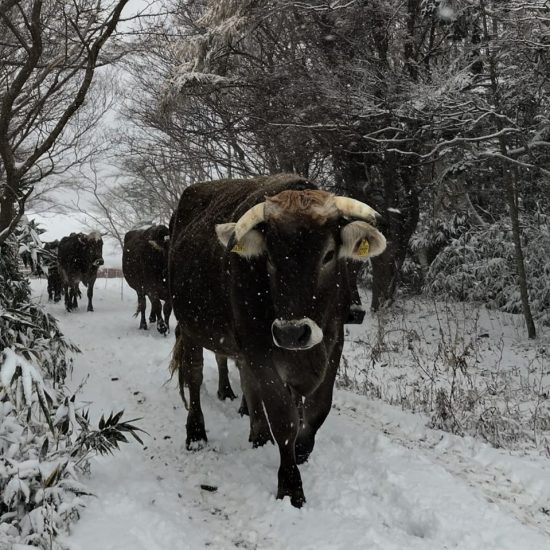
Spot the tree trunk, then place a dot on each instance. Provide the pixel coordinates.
(508, 179)
(400, 212)
(399, 208)
(518, 254)
(7, 212)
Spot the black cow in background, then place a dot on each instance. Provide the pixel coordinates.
(55, 285)
(144, 264)
(79, 257)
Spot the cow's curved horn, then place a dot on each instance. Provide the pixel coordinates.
(249, 219)
(355, 209)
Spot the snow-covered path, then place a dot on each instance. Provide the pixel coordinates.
(377, 478)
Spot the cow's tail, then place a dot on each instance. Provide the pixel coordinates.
(176, 365)
(138, 310)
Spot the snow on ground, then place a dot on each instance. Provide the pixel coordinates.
(378, 477)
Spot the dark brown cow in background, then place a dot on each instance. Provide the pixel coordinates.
(275, 294)
(78, 258)
(144, 264)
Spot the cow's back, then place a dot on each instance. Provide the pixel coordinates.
(197, 272)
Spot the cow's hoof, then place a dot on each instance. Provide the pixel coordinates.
(290, 485)
(260, 439)
(297, 497)
(226, 393)
(301, 456)
(195, 443)
(260, 432)
(196, 436)
(162, 327)
(90, 308)
(143, 326)
(243, 409)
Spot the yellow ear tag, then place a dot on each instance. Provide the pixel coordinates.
(362, 248)
(238, 248)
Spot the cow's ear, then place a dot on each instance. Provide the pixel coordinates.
(360, 241)
(251, 243)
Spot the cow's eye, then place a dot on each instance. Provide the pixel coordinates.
(329, 256)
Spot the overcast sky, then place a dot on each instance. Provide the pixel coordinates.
(60, 225)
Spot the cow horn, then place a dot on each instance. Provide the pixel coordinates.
(155, 245)
(251, 218)
(355, 209)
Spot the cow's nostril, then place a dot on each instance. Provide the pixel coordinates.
(278, 333)
(304, 334)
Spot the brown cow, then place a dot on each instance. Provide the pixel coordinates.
(258, 270)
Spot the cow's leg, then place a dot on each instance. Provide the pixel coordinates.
(90, 293)
(142, 304)
(283, 420)
(56, 287)
(224, 386)
(187, 359)
(156, 310)
(260, 433)
(243, 409)
(153, 314)
(167, 311)
(68, 297)
(317, 406)
(75, 294)
(192, 365)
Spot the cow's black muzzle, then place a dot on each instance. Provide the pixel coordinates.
(98, 262)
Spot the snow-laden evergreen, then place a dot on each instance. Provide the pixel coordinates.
(478, 265)
(45, 436)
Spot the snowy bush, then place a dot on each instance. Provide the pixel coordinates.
(431, 236)
(479, 266)
(45, 437)
(451, 363)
